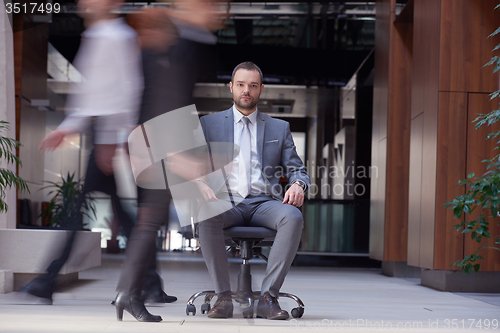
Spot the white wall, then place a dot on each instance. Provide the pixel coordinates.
(7, 104)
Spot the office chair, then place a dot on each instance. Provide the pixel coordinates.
(249, 241)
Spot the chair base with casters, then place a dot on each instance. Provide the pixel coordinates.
(246, 240)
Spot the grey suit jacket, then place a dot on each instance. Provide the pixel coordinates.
(275, 148)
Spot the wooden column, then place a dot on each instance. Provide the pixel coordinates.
(424, 111)
(429, 85)
(450, 87)
(379, 132)
(463, 87)
(391, 135)
(451, 162)
(30, 60)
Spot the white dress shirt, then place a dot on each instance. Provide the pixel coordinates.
(109, 60)
(257, 180)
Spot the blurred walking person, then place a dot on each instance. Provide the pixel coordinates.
(172, 42)
(109, 60)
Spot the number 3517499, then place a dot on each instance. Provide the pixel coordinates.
(32, 8)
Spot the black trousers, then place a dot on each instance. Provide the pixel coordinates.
(141, 247)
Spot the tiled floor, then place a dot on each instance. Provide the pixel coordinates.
(345, 299)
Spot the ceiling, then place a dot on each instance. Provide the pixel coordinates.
(301, 43)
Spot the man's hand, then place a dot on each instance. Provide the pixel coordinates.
(206, 191)
(52, 141)
(185, 166)
(294, 196)
(104, 157)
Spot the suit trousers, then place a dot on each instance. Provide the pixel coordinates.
(259, 211)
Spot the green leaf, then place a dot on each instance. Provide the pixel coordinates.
(470, 175)
(472, 224)
(466, 230)
(468, 268)
(473, 235)
(476, 268)
(489, 63)
(482, 221)
(458, 263)
(496, 32)
(497, 66)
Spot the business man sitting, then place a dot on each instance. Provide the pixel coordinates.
(251, 194)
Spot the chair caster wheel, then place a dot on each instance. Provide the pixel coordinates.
(190, 308)
(205, 307)
(248, 313)
(297, 312)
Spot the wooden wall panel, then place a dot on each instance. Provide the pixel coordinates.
(377, 225)
(398, 143)
(429, 163)
(384, 19)
(451, 164)
(415, 190)
(478, 149)
(30, 68)
(375, 243)
(31, 52)
(379, 130)
(426, 24)
(424, 101)
(465, 48)
(35, 53)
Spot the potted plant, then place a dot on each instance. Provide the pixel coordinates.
(69, 204)
(7, 177)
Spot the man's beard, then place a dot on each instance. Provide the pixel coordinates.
(247, 106)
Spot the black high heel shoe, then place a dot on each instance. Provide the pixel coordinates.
(135, 307)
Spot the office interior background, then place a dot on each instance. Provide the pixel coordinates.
(380, 96)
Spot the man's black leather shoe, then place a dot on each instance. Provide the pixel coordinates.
(269, 308)
(223, 307)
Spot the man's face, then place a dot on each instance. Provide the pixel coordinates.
(246, 89)
(158, 39)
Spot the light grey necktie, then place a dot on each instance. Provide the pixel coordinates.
(244, 165)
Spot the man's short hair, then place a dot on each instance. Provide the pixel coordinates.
(249, 66)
